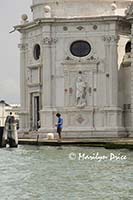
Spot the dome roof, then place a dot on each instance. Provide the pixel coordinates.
(72, 8)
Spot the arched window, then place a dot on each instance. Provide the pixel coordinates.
(80, 48)
(128, 47)
(36, 51)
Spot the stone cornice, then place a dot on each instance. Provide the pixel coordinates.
(23, 112)
(40, 21)
(80, 62)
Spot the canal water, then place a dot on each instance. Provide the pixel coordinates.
(65, 173)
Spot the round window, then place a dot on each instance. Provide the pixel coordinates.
(80, 48)
(37, 51)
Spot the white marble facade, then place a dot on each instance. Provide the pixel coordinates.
(93, 92)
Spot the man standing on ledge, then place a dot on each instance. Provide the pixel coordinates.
(59, 124)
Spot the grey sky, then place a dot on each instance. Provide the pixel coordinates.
(10, 15)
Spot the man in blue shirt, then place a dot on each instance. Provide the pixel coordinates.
(59, 124)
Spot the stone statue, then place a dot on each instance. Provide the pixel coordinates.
(80, 92)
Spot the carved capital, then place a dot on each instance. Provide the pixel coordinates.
(110, 38)
(49, 41)
(106, 38)
(115, 38)
(22, 46)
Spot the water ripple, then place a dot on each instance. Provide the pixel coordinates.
(47, 173)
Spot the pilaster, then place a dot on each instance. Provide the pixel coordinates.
(23, 49)
(47, 70)
(132, 76)
(47, 118)
(24, 116)
(114, 70)
(113, 114)
(107, 52)
(111, 63)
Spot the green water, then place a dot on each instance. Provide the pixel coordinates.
(52, 173)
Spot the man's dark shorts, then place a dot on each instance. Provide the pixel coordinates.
(59, 130)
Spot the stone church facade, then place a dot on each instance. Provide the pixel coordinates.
(75, 58)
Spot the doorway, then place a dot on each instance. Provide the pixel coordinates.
(35, 112)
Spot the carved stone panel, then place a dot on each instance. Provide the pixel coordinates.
(33, 75)
(79, 85)
(80, 120)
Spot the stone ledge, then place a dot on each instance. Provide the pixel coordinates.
(110, 143)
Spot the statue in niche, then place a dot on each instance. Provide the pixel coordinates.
(80, 91)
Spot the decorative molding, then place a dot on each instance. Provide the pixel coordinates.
(34, 66)
(65, 28)
(91, 60)
(106, 38)
(80, 119)
(34, 84)
(23, 112)
(115, 38)
(49, 41)
(80, 28)
(68, 58)
(95, 27)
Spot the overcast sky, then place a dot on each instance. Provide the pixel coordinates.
(10, 15)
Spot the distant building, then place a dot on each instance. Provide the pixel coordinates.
(76, 59)
(5, 110)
